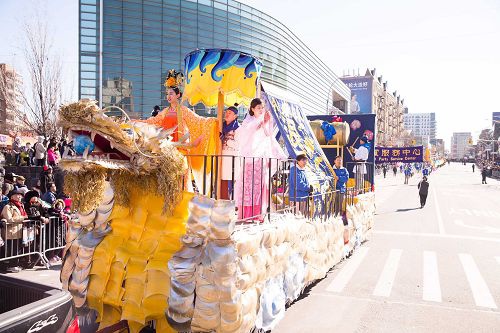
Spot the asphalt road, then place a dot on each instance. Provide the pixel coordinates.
(435, 269)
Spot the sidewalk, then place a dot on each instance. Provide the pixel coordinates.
(40, 275)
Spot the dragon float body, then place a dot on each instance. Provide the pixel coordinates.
(140, 249)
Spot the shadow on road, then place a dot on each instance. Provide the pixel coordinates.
(406, 209)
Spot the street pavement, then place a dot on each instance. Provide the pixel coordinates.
(40, 275)
(435, 269)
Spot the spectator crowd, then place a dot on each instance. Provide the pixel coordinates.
(26, 211)
(43, 152)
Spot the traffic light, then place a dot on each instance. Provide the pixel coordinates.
(470, 141)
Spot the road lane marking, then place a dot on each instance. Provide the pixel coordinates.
(416, 304)
(432, 287)
(480, 291)
(340, 281)
(484, 228)
(438, 213)
(474, 212)
(386, 279)
(424, 234)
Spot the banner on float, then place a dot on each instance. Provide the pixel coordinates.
(399, 154)
(299, 138)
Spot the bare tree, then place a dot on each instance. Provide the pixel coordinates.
(43, 95)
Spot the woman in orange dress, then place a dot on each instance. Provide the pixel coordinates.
(198, 134)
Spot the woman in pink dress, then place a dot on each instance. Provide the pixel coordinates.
(257, 145)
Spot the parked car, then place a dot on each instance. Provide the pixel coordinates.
(30, 307)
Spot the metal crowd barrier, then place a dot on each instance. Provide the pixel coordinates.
(37, 240)
(269, 177)
(55, 235)
(363, 174)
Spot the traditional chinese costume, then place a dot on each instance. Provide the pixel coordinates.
(257, 145)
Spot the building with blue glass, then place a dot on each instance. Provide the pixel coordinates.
(128, 46)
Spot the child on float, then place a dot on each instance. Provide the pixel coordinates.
(299, 187)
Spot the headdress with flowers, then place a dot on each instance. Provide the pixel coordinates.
(174, 79)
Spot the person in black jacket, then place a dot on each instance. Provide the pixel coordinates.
(46, 177)
(484, 173)
(33, 207)
(423, 190)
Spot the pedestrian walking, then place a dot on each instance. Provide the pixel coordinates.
(384, 170)
(407, 174)
(395, 170)
(473, 167)
(423, 191)
(483, 175)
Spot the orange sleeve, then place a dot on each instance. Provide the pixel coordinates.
(197, 126)
(157, 120)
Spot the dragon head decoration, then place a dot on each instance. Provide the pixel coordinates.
(129, 154)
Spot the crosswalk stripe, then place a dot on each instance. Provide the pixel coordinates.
(480, 291)
(432, 287)
(386, 279)
(340, 281)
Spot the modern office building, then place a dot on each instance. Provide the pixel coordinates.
(128, 46)
(422, 127)
(371, 95)
(460, 145)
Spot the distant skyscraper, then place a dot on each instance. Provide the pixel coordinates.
(460, 145)
(422, 126)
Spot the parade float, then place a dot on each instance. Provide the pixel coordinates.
(145, 250)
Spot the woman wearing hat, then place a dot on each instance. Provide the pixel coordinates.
(13, 215)
(46, 177)
(229, 148)
(201, 132)
(20, 185)
(34, 208)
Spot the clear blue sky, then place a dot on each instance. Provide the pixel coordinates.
(441, 56)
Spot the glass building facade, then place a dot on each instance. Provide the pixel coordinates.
(128, 46)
